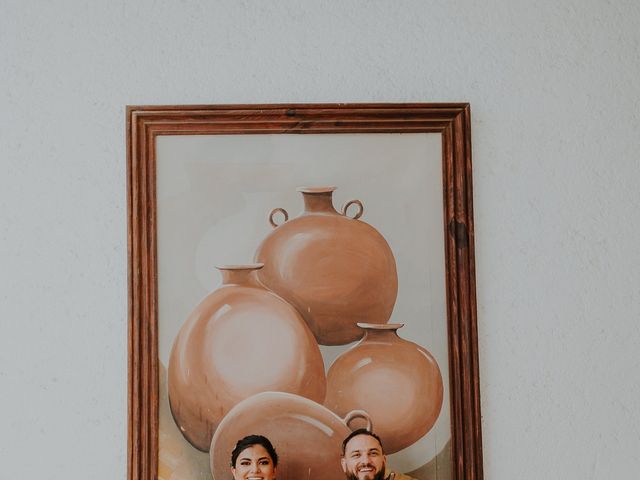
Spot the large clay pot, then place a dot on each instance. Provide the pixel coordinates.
(396, 381)
(306, 435)
(240, 340)
(336, 270)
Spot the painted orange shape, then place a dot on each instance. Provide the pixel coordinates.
(396, 381)
(306, 435)
(336, 270)
(240, 340)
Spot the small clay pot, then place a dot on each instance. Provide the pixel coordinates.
(397, 382)
(336, 270)
(240, 340)
(307, 436)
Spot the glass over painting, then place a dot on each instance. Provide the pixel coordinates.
(214, 195)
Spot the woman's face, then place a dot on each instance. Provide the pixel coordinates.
(254, 463)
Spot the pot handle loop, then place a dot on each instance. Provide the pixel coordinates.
(353, 202)
(273, 212)
(353, 414)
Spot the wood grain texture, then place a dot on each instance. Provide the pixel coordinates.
(451, 120)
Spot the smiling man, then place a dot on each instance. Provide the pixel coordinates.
(364, 459)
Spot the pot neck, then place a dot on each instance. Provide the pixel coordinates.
(245, 275)
(318, 199)
(385, 331)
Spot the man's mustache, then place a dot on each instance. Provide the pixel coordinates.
(378, 476)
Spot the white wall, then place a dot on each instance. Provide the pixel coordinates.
(555, 99)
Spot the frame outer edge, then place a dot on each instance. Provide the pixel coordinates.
(142, 129)
(473, 313)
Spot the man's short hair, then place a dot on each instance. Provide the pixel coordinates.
(360, 431)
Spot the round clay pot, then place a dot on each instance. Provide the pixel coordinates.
(307, 436)
(336, 270)
(396, 381)
(240, 340)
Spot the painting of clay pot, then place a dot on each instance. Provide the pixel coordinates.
(396, 381)
(306, 435)
(240, 340)
(336, 270)
(214, 194)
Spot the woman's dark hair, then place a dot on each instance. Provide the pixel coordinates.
(249, 441)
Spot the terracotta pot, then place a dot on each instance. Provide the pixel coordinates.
(306, 435)
(396, 381)
(240, 340)
(336, 270)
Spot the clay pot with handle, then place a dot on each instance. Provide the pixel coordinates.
(241, 339)
(335, 269)
(306, 435)
(396, 381)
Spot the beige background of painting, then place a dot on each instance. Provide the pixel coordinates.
(214, 194)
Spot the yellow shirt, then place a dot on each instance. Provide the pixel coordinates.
(399, 476)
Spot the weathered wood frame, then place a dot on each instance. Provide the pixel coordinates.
(145, 123)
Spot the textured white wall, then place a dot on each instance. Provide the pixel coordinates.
(555, 103)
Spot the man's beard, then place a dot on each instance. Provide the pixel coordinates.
(378, 476)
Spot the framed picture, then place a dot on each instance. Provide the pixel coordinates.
(300, 271)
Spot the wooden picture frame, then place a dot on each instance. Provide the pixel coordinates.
(146, 124)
